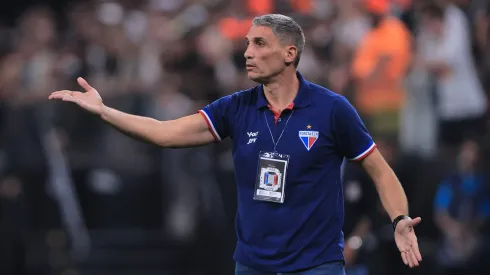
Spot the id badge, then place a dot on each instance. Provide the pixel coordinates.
(271, 177)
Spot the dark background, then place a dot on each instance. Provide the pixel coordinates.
(148, 210)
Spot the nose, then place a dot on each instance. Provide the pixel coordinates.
(248, 53)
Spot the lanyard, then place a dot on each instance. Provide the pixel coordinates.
(273, 141)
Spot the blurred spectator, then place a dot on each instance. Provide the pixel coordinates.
(352, 24)
(257, 7)
(419, 120)
(482, 44)
(461, 103)
(379, 68)
(462, 206)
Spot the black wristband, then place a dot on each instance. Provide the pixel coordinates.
(397, 220)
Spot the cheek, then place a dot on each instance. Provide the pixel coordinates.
(274, 60)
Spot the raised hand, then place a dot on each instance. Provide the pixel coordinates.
(406, 241)
(89, 100)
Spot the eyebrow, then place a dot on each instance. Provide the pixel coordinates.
(255, 39)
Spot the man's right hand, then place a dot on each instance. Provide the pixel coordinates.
(90, 100)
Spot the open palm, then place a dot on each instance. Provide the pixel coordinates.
(89, 100)
(406, 241)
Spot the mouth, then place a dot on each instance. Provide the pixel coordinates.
(249, 67)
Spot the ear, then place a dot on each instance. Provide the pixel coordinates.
(291, 54)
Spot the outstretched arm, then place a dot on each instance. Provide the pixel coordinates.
(395, 203)
(188, 131)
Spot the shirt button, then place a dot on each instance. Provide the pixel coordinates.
(279, 120)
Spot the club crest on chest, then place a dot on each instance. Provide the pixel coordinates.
(308, 137)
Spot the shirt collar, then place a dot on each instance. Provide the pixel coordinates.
(303, 98)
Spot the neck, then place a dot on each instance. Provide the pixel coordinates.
(282, 90)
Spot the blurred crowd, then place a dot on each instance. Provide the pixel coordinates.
(418, 72)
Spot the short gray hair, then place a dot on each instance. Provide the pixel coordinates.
(286, 29)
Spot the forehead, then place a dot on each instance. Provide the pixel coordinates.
(260, 32)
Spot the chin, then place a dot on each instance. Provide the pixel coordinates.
(257, 77)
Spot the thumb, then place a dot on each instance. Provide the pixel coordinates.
(415, 221)
(84, 84)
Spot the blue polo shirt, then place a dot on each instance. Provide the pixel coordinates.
(306, 230)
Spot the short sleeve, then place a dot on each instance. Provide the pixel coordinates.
(353, 140)
(217, 115)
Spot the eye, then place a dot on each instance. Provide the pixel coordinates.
(260, 43)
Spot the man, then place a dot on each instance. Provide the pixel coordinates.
(290, 138)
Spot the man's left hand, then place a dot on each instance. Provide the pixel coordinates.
(406, 241)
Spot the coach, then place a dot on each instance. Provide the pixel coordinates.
(290, 137)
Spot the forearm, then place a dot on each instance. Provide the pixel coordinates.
(143, 128)
(389, 188)
(392, 194)
(187, 131)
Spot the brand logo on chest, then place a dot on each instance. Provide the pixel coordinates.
(252, 137)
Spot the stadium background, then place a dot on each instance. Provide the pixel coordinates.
(77, 197)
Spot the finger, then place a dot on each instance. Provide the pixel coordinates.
(63, 92)
(59, 94)
(409, 259)
(415, 248)
(84, 84)
(404, 258)
(413, 258)
(55, 96)
(415, 221)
